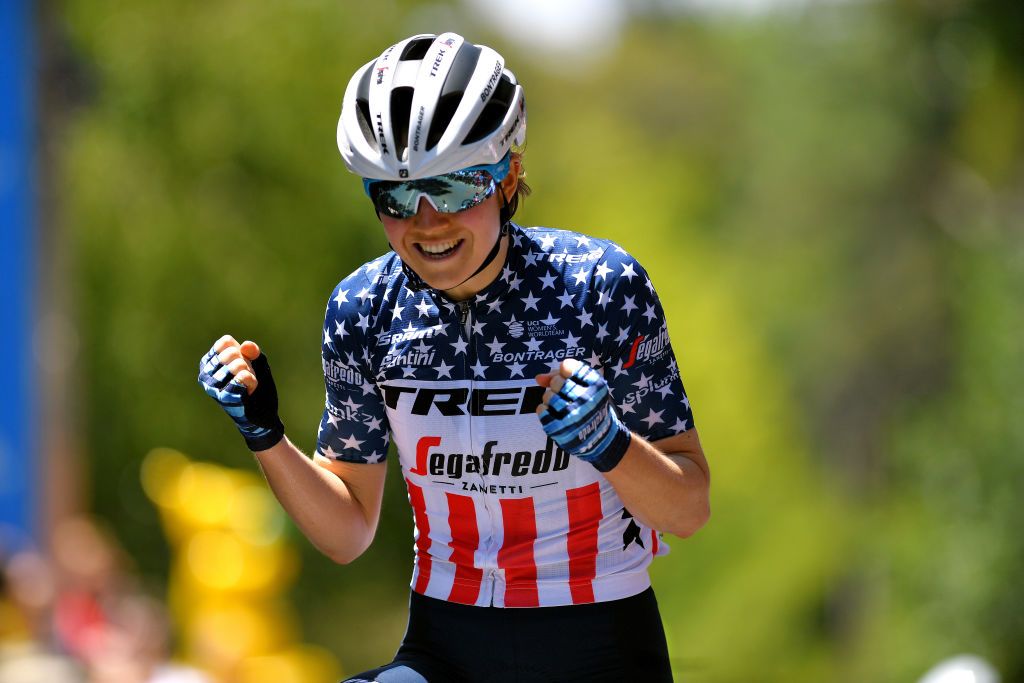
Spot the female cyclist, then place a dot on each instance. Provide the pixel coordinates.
(525, 375)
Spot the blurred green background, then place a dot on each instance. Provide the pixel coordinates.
(828, 197)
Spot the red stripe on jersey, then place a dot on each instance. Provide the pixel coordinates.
(584, 506)
(516, 553)
(419, 511)
(465, 540)
(654, 542)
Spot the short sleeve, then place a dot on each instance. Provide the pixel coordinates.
(354, 426)
(636, 353)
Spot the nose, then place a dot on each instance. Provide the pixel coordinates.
(427, 216)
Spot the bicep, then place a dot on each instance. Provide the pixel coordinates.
(685, 445)
(365, 483)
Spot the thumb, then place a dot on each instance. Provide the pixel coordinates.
(250, 350)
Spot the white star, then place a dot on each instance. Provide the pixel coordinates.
(515, 369)
(594, 361)
(654, 418)
(365, 295)
(566, 300)
(492, 306)
(351, 360)
(629, 305)
(444, 370)
(423, 307)
(673, 367)
(650, 285)
(351, 442)
(373, 424)
(408, 371)
(330, 453)
(623, 335)
(364, 322)
(628, 272)
(396, 312)
(422, 347)
(478, 369)
(375, 458)
(332, 419)
(582, 241)
(602, 298)
(350, 404)
(368, 388)
(686, 402)
(649, 314)
(665, 390)
(460, 346)
(643, 382)
(339, 329)
(581, 276)
(495, 346)
(602, 331)
(478, 327)
(547, 241)
(514, 284)
(571, 341)
(550, 320)
(372, 266)
(679, 426)
(533, 345)
(626, 408)
(531, 302)
(620, 250)
(342, 297)
(547, 281)
(327, 338)
(531, 258)
(603, 270)
(585, 319)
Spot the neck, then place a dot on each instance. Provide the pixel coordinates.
(475, 284)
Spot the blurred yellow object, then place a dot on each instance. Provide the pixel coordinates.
(298, 664)
(231, 566)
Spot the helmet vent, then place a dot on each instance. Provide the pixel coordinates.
(494, 112)
(443, 114)
(462, 70)
(401, 108)
(416, 49)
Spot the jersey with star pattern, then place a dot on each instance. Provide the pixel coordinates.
(503, 516)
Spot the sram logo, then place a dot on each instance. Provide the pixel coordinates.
(462, 401)
(645, 348)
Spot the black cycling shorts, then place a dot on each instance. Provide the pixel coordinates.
(620, 640)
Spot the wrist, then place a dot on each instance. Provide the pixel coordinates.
(263, 438)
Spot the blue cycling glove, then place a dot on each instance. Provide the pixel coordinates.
(580, 419)
(254, 414)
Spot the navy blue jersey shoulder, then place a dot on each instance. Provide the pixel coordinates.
(560, 295)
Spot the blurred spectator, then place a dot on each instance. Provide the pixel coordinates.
(27, 592)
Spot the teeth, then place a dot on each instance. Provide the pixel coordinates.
(439, 247)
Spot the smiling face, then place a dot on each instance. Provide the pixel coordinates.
(445, 249)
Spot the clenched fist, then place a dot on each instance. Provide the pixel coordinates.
(237, 376)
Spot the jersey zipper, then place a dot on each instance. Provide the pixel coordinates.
(466, 319)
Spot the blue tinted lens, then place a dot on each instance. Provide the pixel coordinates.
(449, 193)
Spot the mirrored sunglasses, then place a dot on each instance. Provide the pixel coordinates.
(447, 193)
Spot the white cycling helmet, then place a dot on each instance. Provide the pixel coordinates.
(430, 105)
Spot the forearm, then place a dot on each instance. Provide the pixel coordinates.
(326, 509)
(666, 492)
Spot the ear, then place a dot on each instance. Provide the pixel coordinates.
(511, 181)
